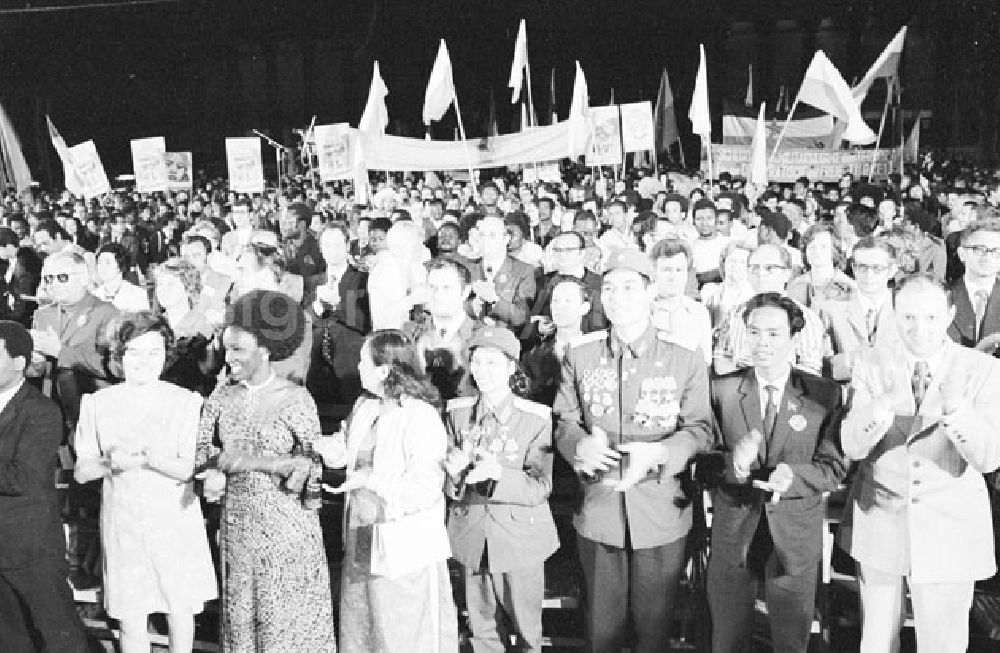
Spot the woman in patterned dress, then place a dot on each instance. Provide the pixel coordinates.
(255, 445)
(394, 454)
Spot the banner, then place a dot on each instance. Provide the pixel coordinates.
(179, 171)
(89, 169)
(637, 127)
(606, 143)
(790, 164)
(149, 162)
(246, 168)
(810, 133)
(336, 148)
(547, 171)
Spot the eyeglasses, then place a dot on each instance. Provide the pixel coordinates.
(983, 250)
(873, 268)
(768, 268)
(565, 250)
(61, 278)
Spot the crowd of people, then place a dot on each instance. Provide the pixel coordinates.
(202, 360)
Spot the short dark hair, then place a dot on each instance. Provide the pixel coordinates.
(17, 340)
(670, 247)
(52, 228)
(796, 318)
(274, 319)
(380, 224)
(876, 242)
(863, 218)
(201, 240)
(444, 263)
(130, 326)
(123, 259)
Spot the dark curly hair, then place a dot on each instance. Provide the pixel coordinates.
(274, 319)
(796, 319)
(407, 376)
(130, 326)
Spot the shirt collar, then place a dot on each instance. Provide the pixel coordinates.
(934, 361)
(973, 287)
(634, 349)
(780, 383)
(503, 412)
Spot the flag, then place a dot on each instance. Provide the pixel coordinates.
(911, 149)
(663, 118)
(887, 65)
(491, 119)
(701, 120)
(825, 89)
(440, 87)
(553, 107)
(749, 99)
(520, 62)
(72, 179)
(758, 152)
(579, 130)
(611, 102)
(15, 167)
(375, 117)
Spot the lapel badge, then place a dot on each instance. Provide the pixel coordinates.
(80, 321)
(502, 278)
(792, 405)
(797, 422)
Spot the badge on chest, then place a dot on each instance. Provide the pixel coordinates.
(657, 406)
(598, 386)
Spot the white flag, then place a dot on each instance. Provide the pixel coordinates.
(701, 119)
(440, 87)
(71, 178)
(758, 152)
(579, 129)
(825, 89)
(375, 117)
(520, 62)
(887, 65)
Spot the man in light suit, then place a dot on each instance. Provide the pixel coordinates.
(977, 302)
(503, 286)
(923, 426)
(864, 319)
(779, 429)
(36, 604)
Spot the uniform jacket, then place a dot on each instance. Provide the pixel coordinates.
(963, 327)
(514, 522)
(806, 438)
(847, 333)
(632, 391)
(918, 504)
(515, 286)
(30, 433)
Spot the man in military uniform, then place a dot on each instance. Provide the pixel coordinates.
(500, 474)
(631, 411)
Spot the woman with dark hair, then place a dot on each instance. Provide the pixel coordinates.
(824, 278)
(113, 262)
(394, 598)
(139, 437)
(255, 450)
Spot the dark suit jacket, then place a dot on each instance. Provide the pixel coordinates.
(30, 433)
(806, 438)
(25, 280)
(963, 327)
(515, 286)
(595, 320)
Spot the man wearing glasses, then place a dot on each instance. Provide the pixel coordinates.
(865, 319)
(770, 268)
(977, 304)
(567, 250)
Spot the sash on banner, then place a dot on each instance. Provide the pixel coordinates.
(150, 164)
(336, 147)
(637, 127)
(89, 169)
(607, 137)
(179, 175)
(246, 167)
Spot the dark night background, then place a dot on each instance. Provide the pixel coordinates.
(196, 71)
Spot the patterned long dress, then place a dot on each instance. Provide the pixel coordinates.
(276, 583)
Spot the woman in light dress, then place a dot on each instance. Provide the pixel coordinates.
(139, 437)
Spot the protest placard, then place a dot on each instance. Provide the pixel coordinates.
(149, 163)
(246, 167)
(637, 127)
(606, 148)
(336, 149)
(179, 171)
(89, 169)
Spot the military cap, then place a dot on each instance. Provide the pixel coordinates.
(630, 259)
(497, 338)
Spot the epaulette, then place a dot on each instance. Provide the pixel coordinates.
(664, 336)
(541, 410)
(593, 336)
(460, 402)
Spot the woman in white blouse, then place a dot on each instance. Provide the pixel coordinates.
(113, 261)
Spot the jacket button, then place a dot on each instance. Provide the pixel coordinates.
(916, 481)
(916, 463)
(915, 500)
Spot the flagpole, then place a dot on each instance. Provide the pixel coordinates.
(680, 148)
(881, 126)
(783, 129)
(465, 144)
(707, 142)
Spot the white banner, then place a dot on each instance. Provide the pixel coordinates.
(336, 148)
(606, 144)
(547, 171)
(149, 162)
(89, 169)
(790, 164)
(246, 168)
(810, 133)
(637, 127)
(180, 174)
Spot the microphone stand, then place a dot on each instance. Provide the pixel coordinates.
(278, 150)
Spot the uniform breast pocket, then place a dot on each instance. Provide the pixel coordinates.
(522, 514)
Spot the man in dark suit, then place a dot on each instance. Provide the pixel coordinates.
(503, 286)
(340, 317)
(568, 248)
(779, 430)
(21, 268)
(975, 296)
(36, 604)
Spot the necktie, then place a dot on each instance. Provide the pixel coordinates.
(770, 410)
(979, 304)
(489, 273)
(442, 333)
(921, 381)
(871, 320)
